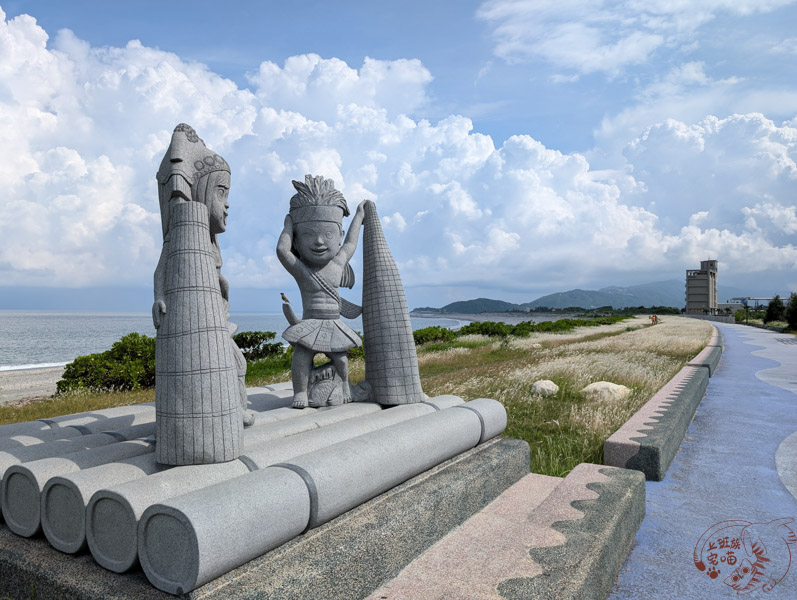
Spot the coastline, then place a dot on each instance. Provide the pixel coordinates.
(26, 384)
(510, 318)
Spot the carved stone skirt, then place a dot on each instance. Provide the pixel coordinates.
(322, 335)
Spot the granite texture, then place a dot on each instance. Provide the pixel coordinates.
(62, 447)
(196, 381)
(391, 362)
(114, 511)
(595, 513)
(354, 461)
(355, 553)
(200, 392)
(20, 495)
(131, 415)
(345, 558)
(310, 249)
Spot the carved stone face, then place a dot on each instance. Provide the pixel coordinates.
(217, 203)
(317, 242)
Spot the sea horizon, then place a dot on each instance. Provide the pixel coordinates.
(38, 339)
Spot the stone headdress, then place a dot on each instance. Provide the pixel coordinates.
(317, 200)
(186, 161)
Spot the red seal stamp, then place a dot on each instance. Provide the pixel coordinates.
(748, 555)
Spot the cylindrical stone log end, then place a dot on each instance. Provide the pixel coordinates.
(63, 515)
(111, 531)
(492, 416)
(20, 501)
(192, 539)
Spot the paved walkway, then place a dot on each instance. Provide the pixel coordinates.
(738, 461)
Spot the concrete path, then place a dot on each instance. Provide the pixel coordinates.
(738, 461)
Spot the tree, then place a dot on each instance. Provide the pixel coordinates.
(791, 311)
(775, 310)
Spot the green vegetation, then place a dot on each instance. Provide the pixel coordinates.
(791, 312)
(498, 361)
(128, 365)
(775, 310)
(255, 345)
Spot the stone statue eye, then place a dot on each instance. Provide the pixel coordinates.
(328, 234)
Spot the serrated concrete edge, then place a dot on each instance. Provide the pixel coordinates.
(597, 510)
(649, 440)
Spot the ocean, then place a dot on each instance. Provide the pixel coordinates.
(34, 339)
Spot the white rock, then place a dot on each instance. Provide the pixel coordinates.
(606, 391)
(544, 387)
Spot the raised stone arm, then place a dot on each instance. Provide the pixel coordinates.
(353, 235)
(286, 257)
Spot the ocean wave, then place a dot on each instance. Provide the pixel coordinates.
(34, 366)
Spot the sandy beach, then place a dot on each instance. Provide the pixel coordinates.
(23, 384)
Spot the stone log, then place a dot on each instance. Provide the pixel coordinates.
(62, 447)
(113, 513)
(287, 498)
(67, 496)
(34, 428)
(21, 489)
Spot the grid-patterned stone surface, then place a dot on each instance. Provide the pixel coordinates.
(198, 410)
(391, 364)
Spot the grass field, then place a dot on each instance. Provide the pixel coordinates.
(562, 430)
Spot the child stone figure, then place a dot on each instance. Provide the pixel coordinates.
(309, 248)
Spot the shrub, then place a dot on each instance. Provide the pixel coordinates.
(791, 311)
(489, 328)
(128, 365)
(775, 310)
(255, 344)
(434, 333)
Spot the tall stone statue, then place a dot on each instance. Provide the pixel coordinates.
(310, 249)
(200, 394)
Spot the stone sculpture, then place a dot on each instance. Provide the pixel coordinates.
(200, 394)
(391, 363)
(310, 249)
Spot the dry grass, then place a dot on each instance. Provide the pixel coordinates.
(562, 430)
(567, 429)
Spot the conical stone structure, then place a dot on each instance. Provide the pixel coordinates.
(391, 364)
(196, 395)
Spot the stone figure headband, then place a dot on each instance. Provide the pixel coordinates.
(317, 200)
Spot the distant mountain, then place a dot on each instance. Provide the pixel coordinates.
(479, 305)
(661, 293)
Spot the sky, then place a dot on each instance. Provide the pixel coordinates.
(513, 148)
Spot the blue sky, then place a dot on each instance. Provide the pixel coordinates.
(514, 148)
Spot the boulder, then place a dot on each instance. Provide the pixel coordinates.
(606, 391)
(544, 387)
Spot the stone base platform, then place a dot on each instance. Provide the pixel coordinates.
(544, 537)
(348, 557)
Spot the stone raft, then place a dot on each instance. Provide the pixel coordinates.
(65, 497)
(113, 512)
(20, 493)
(286, 498)
(72, 425)
(649, 440)
(391, 363)
(199, 411)
(68, 446)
